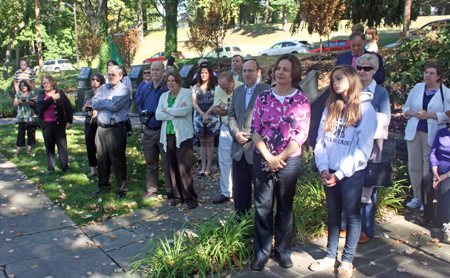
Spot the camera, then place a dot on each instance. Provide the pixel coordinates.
(89, 112)
(146, 116)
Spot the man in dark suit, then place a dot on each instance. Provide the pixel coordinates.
(357, 48)
(240, 121)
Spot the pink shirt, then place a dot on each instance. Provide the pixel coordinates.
(49, 113)
(280, 123)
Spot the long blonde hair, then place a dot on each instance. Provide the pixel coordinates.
(335, 103)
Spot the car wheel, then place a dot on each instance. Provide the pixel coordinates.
(264, 55)
(224, 57)
(294, 52)
(57, 69)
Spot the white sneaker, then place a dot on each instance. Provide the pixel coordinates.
(414, 203)
(446, 227)
(447, 237)
(421, 208)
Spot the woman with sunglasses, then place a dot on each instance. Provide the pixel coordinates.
(344, 145)
(424, 109)
(90, 123)
(23, 102)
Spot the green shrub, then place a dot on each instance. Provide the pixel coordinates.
(404, 65)
(211, 246)
(7, 109)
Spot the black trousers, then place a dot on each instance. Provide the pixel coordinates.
(268, 190)
(443, 200)
(242, 185)
(180, 164)
(90, 129)
(55, 134)
(111, 143)
(31, 135)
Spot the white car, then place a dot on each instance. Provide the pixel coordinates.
(55, 65)
(287, 47)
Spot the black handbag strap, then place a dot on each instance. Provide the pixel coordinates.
(442, 96)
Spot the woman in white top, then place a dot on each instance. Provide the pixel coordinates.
(372, 39)
(344, 145)
(175, 112)
(424, 109)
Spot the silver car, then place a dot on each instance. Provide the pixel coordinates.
(224, 52)
(287, 47)
(55, 65)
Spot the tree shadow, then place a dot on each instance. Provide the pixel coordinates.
(255, 30)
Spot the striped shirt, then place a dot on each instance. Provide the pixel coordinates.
(27, 74)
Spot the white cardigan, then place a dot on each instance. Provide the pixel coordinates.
(181, 117)
(414, 102)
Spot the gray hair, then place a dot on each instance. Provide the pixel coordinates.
(368, 58)
(118, 68)
(201, 61)
(225, 75)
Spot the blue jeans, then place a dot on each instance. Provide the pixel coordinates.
(267, 191)
(344, 196)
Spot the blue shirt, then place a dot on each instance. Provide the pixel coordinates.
(148, 98)
(112, 102)
(249, 93)
(139, 88)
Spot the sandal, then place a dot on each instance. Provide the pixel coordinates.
(345, 271)
(17, 154)
(28, 152)
(206, 174)
(201, 174)
(322, 264)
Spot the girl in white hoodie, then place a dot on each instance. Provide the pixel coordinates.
(344, 145)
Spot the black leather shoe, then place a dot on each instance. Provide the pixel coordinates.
(429, 223)
(258, 264)
(66, 170)
(120, 195)
(192, 205)
(285, 263)
(98, 191)
(221, 199)
(175, 202)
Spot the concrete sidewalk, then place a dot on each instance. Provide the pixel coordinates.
(37, 239)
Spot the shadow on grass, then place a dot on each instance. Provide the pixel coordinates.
(256, 30)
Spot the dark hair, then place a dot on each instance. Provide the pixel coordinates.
(146, 67)
(437, 66)
(27, 84)
(358, 27)
(124, 71)
(357, 34)
(373, 32)
(114, 62)
(238, 55)
(211, 80)
(100, 76)
(175, 75)
(296, 73)
(50, 79)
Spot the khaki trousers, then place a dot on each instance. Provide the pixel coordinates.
(418, 160)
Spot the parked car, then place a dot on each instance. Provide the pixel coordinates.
(224, 52)
(287, 47)
(430, 26)
(160, 56)
(55, 65)
(335, 45)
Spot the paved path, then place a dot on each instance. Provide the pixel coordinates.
(38, 240)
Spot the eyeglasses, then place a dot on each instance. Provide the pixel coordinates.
(359, 68)
(249, 71)
(147, 72)
(95, 79)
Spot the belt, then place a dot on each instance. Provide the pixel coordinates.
(154, 128)
(115, 125)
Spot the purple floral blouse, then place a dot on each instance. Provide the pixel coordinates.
(279, 123)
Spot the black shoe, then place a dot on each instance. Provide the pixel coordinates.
(285, 263)
(258, 264)
(120, 195)
(49, 172)
(221, 199)
(168, 196)
(66, 170)
(175, 202)
(192, 205)
(98, 191)
(429, 223)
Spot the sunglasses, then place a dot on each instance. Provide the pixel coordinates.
(146, 72)
(95, 79)
(364, 68)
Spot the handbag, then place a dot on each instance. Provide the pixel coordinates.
(378, 174)
(64, 110)
(33, 119)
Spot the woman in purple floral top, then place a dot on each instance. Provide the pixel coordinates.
(280, 127)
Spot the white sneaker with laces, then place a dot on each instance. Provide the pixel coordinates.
(414, 203)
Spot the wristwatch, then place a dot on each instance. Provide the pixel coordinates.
(226, 108)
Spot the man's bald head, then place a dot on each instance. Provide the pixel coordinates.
(23, 65)
(157, 69)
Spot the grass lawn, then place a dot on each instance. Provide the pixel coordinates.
(72, 191)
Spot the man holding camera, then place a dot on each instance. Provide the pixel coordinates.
(147, 100)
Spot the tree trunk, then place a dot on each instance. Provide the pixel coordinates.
(105, 52)
(38, 32)
(171, 27)
(8, 54)
(320, 54)
(140, 24)
(93, 21)
(407, 17)
(118, 19)
(285, 27)
(266, 12)
(17, 57)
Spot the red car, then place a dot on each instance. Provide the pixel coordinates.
(159, 56)
(336, 45)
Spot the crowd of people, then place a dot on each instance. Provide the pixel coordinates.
(261, 127)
